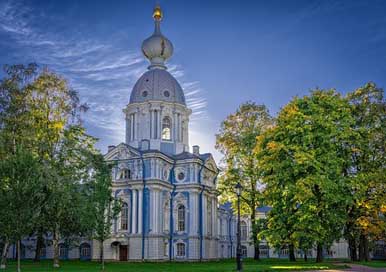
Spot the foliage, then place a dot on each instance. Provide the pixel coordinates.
(236, 140)
(104, 207)
(368, 187)
(302, 159)
(39, 112)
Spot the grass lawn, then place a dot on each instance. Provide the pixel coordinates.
(374, 263)
(225, 265)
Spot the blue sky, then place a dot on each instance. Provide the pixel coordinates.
(226, 52)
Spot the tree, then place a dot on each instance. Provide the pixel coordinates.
(367, 185)
(236, 141)
(40, 112)
(104, 206)
(303, 159)
(14, 124)
(20, 188)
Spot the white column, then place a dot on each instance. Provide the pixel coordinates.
(151, 205)
(134, 213)
(140, 204)
(159, 123)
(193, 212)
(151, 123)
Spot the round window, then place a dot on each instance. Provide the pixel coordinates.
(144, 93)
(166, 93)
(181, 176)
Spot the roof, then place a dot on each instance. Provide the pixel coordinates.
(181, 156)
(157, 85)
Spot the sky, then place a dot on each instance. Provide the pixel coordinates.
(225, 52)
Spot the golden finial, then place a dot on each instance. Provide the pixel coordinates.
(157, 13)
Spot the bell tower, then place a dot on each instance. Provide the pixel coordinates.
(157, 116)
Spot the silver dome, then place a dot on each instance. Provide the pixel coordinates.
(159, 85)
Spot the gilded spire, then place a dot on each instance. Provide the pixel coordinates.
(157, 13)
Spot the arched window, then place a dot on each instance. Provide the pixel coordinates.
(166, 128)
(243, 230)
(124, 216)
(125, 174)
(85, 251)
(181, 218)
(180, 250)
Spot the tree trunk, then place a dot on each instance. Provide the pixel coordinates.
(305, 255)
(3, 263)
(366, 249)
(39, 246)
(361, 248)
(353, 249)
(319, 253)
(18, 256)
(292, 253)
(102, 257)
(55, 244)
(256, 243)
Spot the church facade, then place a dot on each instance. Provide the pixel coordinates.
(168, 193)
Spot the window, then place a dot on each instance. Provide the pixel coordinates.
(144, 93)
(244, 252)
(125, 174)
(43, 252)
(124, 216)
(243, 230)
(62, 251)
(166, 249)
(85, 250)
(166, 128)
(181, 176)
(181, 218)
(180, 250)
(166, 93)
(284, 251)
(264, 250)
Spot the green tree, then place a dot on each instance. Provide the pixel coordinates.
(236, 141)
(20, 196)
(14, 124)
(40, 112)
(104, 207)
(303, 159)
(367, 187)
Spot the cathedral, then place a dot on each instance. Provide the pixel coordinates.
(168, 193)
(170, 209)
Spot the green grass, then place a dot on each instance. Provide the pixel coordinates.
(220, 266)
(374, 263)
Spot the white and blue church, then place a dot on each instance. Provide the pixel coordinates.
(169, 194)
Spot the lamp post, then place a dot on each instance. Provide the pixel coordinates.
(238, 188)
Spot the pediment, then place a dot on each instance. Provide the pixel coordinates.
(211, 164)
(121, 152)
